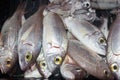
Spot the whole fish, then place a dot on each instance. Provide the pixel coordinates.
(30, 39)
(113, 52)
(70, 70)
(87, 34)
(89, 60)
(8, 47)
(42, 66)
(54, 40)
(32, 73)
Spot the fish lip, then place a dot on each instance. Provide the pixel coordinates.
(103, 56)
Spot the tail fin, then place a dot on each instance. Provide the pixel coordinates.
(21, 8)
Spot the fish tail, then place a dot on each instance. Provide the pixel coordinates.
(41, 8)
(21, 8)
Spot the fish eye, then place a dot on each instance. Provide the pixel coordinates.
(106, 73)
(102, 40)
(114, 67)
(42, 64)
(8, 62)
(28, 56)
(58, 60)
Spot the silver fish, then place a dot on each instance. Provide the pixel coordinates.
(10, 29)
(87, 34)
(70, 70)
(89, 60)
(32, 73)
(30, 39)
(54, 40)
(113, 52)
(42, 66)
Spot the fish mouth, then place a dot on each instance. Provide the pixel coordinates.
(103, 56)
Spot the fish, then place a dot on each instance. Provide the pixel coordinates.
(54, 40)
(9, 38)
(42, 66)
(70, 70)
(113, 50)
(32, 73)
(88, 34)
(89, 61)
(30, 39)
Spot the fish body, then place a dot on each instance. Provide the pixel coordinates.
(54, 40)
(30, 39)
(87, 34)
(10, 29)
(113, 51)
(89, 60)
(70, 70)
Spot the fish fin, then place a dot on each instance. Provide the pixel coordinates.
(21, 7)
(26, 34)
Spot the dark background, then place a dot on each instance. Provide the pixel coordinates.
(7, 8)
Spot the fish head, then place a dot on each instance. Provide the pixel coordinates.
(100, 43)
(70, 69)
(43, 68)
(42, 65)
(104, 71)
(26, 56)
(7, 60)
(54, 59)
(114, 64)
